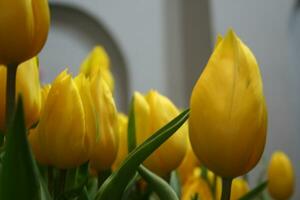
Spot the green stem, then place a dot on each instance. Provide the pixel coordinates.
(226, 188)
(10, 92)
(62, 181)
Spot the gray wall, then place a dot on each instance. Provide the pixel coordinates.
(271, 30)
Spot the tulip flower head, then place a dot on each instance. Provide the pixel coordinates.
(24, 26)
(65, 132)
(152, 112)
(228, 119)
(281, 178)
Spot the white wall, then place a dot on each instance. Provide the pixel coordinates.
(265, 27)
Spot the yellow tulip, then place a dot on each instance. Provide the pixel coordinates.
(196, 186)
(28, 86)
(65, 133)
(281, 178)
(151, 113)
(123, 147)
(24, 26)
(228, 119)
(189, 163)
(98, 62)
(106, 147)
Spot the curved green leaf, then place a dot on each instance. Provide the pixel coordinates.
(255, 192)
(114, 186)
(159, 185)
(20, 178)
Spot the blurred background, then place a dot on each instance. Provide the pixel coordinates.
(165, 45)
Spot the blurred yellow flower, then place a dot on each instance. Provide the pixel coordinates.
(28, 86)
(123, 144)
(239, 188)
(281, 178)
(98, 62)
(189, 163)
(152, 112)
(228, 119)
(24, 26)
(106, 147)
(196, 186)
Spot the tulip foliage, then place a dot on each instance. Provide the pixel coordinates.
(67, 139)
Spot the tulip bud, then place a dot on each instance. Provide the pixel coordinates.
(123, 147)
(228, 119)
(105, 151)
(98, 62)
(28, 86)
(280, 176)
(24, 26)
(64, 140)
(152, 112)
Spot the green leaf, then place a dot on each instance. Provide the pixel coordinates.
(131, 128)
(255, 192)
(175, 182)
(20, 178)
(84, 195)
(160, 186)
(115, 185)
(92, 187)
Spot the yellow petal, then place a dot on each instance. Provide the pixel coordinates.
(28, 86)
(123, 144)
(106, 148)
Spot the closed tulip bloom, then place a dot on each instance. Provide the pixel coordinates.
(123, 147)
(24, 26)
(228, 119)
(281, 177)
(64, 140)
(28, 86)
(105, 151)
(98, 62)
(152, 112)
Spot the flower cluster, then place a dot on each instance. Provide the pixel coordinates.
(67, 140)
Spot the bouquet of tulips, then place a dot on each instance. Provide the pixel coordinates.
(66, 140)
